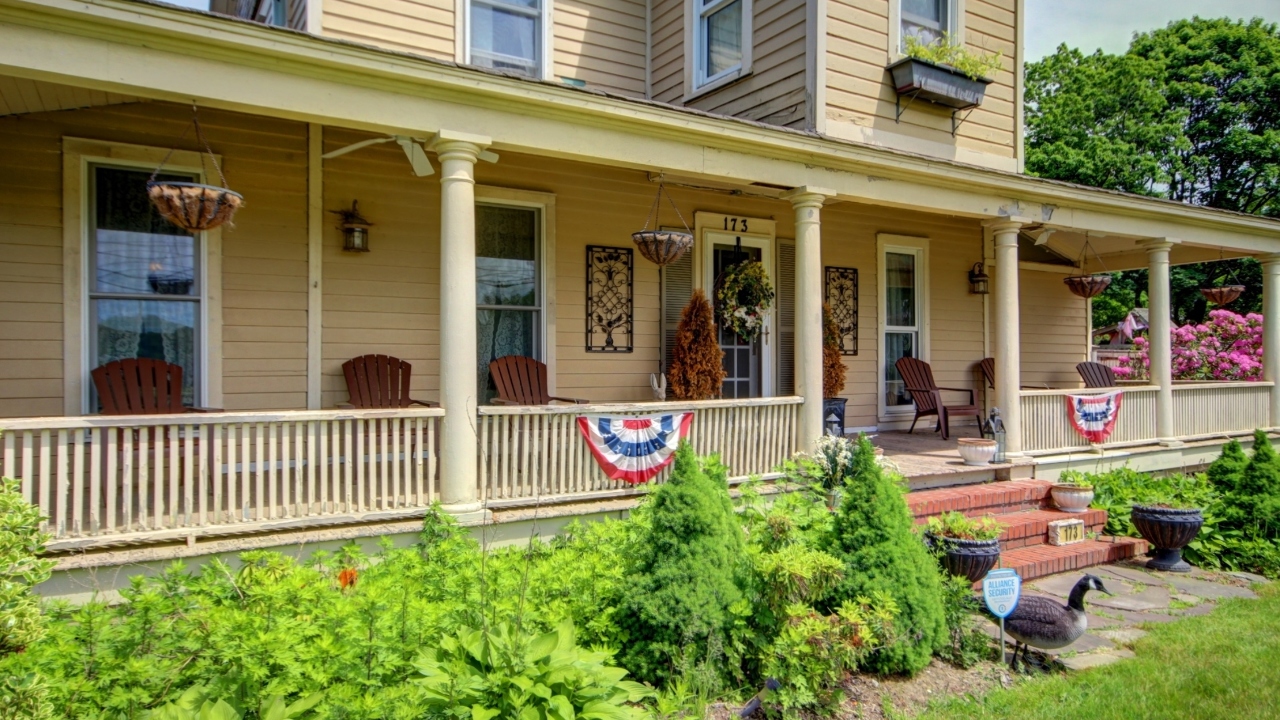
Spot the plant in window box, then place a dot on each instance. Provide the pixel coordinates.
(968, 547)
(944, 72)
(832, 372)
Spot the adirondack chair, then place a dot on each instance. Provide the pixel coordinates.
(140, 387)
(379, 381)
(989, 374)
(1096, 375)
(523, 381)
(927, 396)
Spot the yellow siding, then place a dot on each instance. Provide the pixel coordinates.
(860, 94)
(1054, 327)
(601, 42)
(421, 27)
(667, 53)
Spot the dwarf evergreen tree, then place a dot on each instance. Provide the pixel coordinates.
(874, 537)
(1254, 505)
(689, 569)
(697, 362)
(1225, 472)
(832, 363)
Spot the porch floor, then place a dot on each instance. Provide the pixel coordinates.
(926, 460)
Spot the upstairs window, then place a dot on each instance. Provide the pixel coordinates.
(925, 20)
(507, 35)
(722, 41)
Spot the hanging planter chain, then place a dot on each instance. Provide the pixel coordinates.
(194, 206)
(1224, 294)
(1087, 286)
(662, 247)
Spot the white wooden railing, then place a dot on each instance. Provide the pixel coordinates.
(529, 453)
(1200, 410)
(102, 480)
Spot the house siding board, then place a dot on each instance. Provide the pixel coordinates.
(603, 43)
(1053, 324)
(419, 27)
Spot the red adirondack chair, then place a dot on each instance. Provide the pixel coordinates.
(140, 387)
(523, 381)
(379, 381)
(989, 371)
(1096, 375)
(927, 396)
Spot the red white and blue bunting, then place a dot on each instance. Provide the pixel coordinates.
(1094, 416)
(631, 448)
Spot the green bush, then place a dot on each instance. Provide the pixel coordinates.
(689, 569)
(966, 645)
(1253, 504)
(21, 569)
(1224, 473)
(883, 556)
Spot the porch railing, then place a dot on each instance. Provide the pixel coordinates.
(104, 479)
(538, 452)
(1200, 410)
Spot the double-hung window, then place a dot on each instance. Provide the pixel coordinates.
(507, 35)
(925, 20)
(508, 286)
(722, 40)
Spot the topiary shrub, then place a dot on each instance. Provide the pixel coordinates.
(1225, 472)
(697, 362)
(1254, 504)
(689, 568)
(883, 556)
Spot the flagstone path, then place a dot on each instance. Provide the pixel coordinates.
(1140, 596)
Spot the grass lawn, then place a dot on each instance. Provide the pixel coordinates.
(1222, 665)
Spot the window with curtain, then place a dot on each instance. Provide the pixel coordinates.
(144, 289)
(901, 319)
(925, 20)
(507, 35)
(719, 39)
(508, 286)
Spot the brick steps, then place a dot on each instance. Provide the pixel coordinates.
(1026, 509)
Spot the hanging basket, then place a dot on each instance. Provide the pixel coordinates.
(1087, 286)
(1222, 295)
(192, 206)
(662, 247)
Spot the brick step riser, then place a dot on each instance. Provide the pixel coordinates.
(1040, 539)
(1032, 569)
(978, 511)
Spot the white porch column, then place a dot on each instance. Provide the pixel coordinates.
(807, 202)
(1006, 333)
(1159, 334)
(458, 385)
(1271, 330)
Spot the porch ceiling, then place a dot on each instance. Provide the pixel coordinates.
(1121, 252)
(20, 96)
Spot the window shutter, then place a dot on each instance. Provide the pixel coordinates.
(677, 288)
(786, 296)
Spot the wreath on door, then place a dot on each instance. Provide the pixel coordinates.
(745, 297)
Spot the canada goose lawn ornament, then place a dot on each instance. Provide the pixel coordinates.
(1046, 624)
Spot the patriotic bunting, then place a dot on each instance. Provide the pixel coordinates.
(631, 448)
(1094, 416)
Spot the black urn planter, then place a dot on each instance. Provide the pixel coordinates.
(971, 559)
(833, 406)
(1168, 530)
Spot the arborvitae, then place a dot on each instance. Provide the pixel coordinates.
(832, 363)
(1225, 472)
(689, 568)
(874, 537)
(697, 362)
(1254, 506)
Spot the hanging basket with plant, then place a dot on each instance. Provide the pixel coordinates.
(745, 296)
(194, 206)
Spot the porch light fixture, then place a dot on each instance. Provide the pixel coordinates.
(979, 281)
(355, 229)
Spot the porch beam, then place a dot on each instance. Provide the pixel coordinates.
(459, 387)
(1159, 334)
(1006, 333)
(807, 203)
(1271, 331)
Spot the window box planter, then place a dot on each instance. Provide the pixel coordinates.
(939, 84)
(1168, 530)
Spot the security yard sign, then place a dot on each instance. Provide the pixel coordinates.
(1001, 590)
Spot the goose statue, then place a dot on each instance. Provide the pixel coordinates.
(1046, 624)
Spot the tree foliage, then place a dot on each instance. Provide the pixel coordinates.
(697, 362)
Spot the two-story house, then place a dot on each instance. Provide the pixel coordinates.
(501, 152)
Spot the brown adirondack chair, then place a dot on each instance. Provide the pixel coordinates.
(1096, 375)
(379, 382)
(523, 381)
(140, 386)
(927, 396)
(989, 371)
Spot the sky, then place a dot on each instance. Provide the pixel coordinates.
(1109, 24)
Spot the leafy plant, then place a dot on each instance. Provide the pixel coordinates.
(744, 298)
(194, 704)
(955, 525)
(21, 568)
(966, 645)
(504, 672)
(952, 53)
(1076, 479)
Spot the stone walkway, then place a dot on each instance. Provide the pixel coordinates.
(1141, 596)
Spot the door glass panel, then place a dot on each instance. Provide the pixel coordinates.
(724, 39)
(900, 289)
(148, 329)
(743, 369)
(896, 345)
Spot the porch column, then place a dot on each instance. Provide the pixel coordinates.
(807, 202)
(1159, 334)
(458, 384)
(1271, 330)
(1006, 333)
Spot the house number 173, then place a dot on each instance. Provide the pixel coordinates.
(736, 224)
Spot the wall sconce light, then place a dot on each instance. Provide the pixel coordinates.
(979, 281)
(355, 229)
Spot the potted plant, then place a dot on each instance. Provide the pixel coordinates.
(968, 547)
(976, 451)
(832, 371)
(944, 72)
(1168, 528)
(697, 362)
(1072, 493)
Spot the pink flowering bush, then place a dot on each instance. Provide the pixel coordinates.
(1226, 347)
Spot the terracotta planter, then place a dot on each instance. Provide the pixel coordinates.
(662, 247)
(1071, 498)
(193, 206)
(1168, 530)
(970, 559)
(1087, 286)
(976, 451)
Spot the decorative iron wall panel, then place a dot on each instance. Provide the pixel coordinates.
(842, 297)
(609, 299)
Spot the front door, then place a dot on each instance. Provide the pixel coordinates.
(747, 366)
